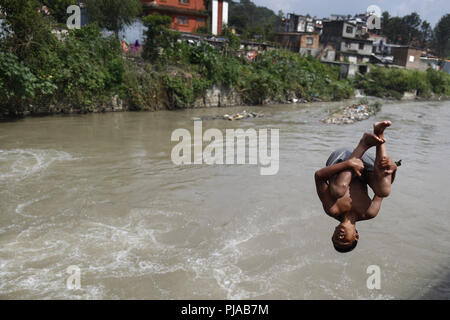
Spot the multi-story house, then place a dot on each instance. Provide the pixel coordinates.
(190, 15)
(300, 34)
(345, 41)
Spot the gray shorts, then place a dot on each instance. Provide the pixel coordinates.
(344, 153)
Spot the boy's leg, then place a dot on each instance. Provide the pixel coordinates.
(380, 179)
(341, 182)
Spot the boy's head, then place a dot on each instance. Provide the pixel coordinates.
(345, 237)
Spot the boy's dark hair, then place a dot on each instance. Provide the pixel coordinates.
(346, 248)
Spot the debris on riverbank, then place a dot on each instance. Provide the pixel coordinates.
(243, 115)
(353, 113)
(231, 117)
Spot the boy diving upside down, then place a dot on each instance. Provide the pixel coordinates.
(342, 185)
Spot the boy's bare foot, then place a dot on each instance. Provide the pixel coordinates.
(379, 127)
(370, 140)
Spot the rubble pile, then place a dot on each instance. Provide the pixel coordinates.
(243, 115)
(235, 116)
(351, 114)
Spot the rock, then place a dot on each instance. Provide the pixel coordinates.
(410, 95)
(116, 103)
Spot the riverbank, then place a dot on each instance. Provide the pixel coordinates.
(145, 86)
(86, 72)
(215, 97)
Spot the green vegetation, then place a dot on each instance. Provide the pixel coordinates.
(412, 30)
(442, 37)
(36, 68)
(113, 14)
(253, 22)
(58, 8)
(188, 71)
(158, 35)
(394, 82)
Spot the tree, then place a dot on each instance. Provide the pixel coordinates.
(442, 36)
(26, 32)
(24, 48)
(412, 23)
(251, 20)
(158, 35)
(233, 41)
(395, 30)
(427, 32)
(113, 14)
(58, 8)
(407, 30)
(385, 18)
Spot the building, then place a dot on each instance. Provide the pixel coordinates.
(300, 34)
(408, 57)
(380, 44)
(299, 23)
(190, 15)
(345, 41)
(219, 15)
(305, 43)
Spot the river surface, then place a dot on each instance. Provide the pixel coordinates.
(101, 193)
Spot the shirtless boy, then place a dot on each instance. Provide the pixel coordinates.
(342, 185)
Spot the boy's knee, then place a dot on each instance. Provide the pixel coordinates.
(384, 191)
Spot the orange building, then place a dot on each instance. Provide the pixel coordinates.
(189, 15)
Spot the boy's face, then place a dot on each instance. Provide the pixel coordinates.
(345, 235)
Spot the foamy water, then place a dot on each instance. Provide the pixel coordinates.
(100, 192)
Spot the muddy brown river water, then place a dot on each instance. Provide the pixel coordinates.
(100, 192)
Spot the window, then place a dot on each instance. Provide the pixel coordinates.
(183, 20)
(361, 46)
(411, 58)
(183, 1)
(309, 40)
(348, 45)
(349, 29)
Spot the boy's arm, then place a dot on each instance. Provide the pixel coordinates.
(374, 208)
(326, 173)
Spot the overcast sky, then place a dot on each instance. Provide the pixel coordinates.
(430, 10)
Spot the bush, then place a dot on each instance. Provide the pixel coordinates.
(88, 67)
(278, 73)
(179, 91)
(439, 81)
(390, 82)
(158, 35)
(18, 85)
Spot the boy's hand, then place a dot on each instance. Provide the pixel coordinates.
(357, 165)
(388, 165)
